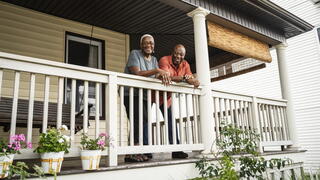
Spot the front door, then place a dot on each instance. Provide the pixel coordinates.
(83, 52)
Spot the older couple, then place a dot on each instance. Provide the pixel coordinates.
(170, 68)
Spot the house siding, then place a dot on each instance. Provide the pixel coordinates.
(303, 53)
(30, 33)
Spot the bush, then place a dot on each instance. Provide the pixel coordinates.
(237, 147)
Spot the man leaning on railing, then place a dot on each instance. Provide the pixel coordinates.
(179, 70)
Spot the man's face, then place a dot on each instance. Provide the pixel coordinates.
(147, 45)
(178, 55)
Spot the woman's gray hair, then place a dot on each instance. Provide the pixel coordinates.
(144, 36)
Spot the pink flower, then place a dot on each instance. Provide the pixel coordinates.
(21, 137)
(101, 143)
(103, 134)
(29, 145)
(10, 145)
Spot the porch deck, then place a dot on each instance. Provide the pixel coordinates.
(162, 167)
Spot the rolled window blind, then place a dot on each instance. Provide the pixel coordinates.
(237, 43)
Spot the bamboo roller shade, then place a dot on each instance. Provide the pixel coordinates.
(237, 43)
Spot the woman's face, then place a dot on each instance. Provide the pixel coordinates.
(147, 45)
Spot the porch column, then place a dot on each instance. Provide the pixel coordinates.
(286, 92)
(203, 73)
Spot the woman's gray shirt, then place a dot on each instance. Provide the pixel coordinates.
(136, 58)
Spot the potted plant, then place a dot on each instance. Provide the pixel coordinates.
(7, 151)
(51, 147)
(91, 150)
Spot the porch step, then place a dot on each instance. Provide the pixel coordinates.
(154, 169)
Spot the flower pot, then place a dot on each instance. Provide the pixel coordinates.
(51, 162)
(5, 162)
(90, 159)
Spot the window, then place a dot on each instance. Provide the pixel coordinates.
(83, 51)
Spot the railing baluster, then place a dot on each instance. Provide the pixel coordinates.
(97, 113)
(157, 119)
(131, 117)
(236, 114)
(85, 106)
(250, 116)
(216, 117)
(121, 132)
(231, 112)
(73, 108)
(189, 130)
(264, 119)
(195, 119)
(15, 104)
(182, 138)
(46, 104)
(30, 108)
(173, 114)
(241, 118)
(149, 118)
(60, 102)
(226, 110)
(246, 118)
(140, 116)
(165, 114)
(222, 117)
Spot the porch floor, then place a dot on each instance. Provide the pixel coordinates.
(72, 166)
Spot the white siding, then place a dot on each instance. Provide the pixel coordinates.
(304, 63)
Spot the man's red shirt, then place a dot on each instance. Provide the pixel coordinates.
(166, 64)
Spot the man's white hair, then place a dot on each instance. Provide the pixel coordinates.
(144, 36)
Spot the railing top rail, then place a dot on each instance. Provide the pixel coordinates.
(233, 95)
(52, 68)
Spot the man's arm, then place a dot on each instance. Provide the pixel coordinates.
(189, 77)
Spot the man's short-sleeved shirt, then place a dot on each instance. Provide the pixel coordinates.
(137, 59)
(166, 64)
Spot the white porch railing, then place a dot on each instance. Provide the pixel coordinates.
(37, 80)
(266, 116)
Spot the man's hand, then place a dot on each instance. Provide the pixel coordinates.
(164, 76)
(193, 82)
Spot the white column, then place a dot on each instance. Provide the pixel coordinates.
(203, 73)
(286, 92)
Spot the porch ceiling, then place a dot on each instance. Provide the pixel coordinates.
(167, 20)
